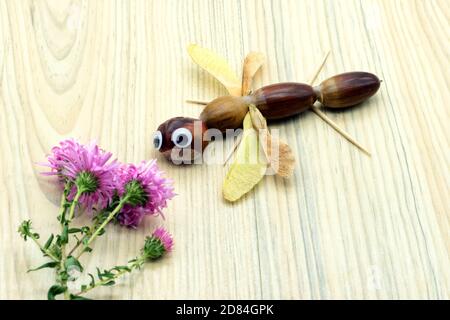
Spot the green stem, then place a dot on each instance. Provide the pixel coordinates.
(42, 248)
(85, 236)
(67, 222)
(63, 215)
(75, 247)
(63, 245)
(74, 204)
(102, 226)
(63, 204)
(101, 283)
(133, 266)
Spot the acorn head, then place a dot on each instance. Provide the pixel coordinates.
(180, 139)
(227, 112)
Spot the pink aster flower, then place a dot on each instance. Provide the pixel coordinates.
(159, 243)
(88, 168)
(131, 216)
(146, 189)
(60, 156)
(165, 237)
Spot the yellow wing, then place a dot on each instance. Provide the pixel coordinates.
(217, 66)
(249, 165)
(252, 63)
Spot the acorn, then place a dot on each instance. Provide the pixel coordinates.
(282, 100)
(347, 89)
(181, 139)
(226, 112)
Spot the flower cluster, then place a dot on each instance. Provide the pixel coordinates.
(98, 181)
(109, 191)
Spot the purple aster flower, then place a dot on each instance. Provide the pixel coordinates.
(131, 216)
(60, 156)
(165, 237)
(88, 168)
(146, 190)
(159, 243)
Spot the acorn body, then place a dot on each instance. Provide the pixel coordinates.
(282, 100)
(227, 112)
(347, 89)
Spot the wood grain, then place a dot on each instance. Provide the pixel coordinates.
(345, 226)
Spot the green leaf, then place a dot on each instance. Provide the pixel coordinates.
(99, 274)
(45, 265)
(55, 250)
(87, 249)
(25, 229)
(75, 297)
(92, 283)
(63, 275)
(64, 238)
(75, 230)
(107, 274)
(62, 217)
(73, 262)
(109, 283)
(121, 268)
(54, 291)
(49, 242)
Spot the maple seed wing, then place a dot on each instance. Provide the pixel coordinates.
(252, 64)
(278, 154)
(217, 66)
(248, 167)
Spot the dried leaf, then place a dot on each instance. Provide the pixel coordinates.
(217, 66)
(252, 63)
(249, 165)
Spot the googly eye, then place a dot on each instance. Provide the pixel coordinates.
(157, 140)
(182, 137)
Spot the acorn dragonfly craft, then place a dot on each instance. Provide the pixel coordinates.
(257, 150)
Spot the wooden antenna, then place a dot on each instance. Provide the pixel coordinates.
(203, 103)
(330, 122)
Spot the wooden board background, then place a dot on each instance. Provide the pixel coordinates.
(345, 226)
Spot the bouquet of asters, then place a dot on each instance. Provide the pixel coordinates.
(109, 191)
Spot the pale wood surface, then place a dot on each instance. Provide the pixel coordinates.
(345, 226)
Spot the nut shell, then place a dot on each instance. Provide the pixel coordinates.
(227, 112)
(347, 89)
(282, 100)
